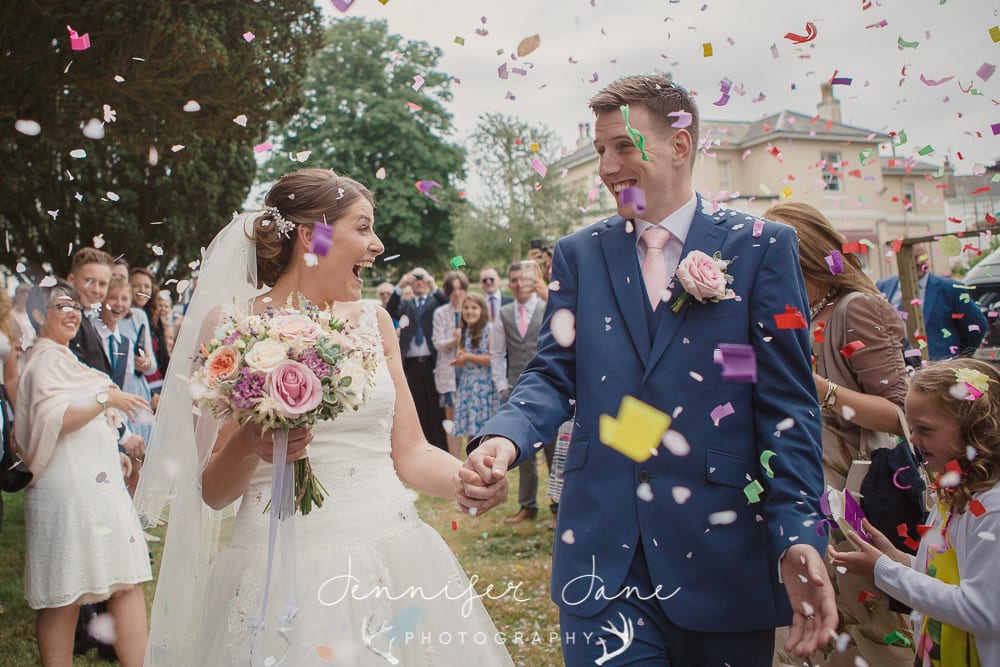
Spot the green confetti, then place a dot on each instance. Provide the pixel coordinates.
(765, 461)
(996, 178)
(926, 150)
(460, 41)
(945, 333)
(896, 637)
(903, 44)
(634, 135)
(950, 246)
(457, 261)
(753, 491)
(865, 155)
(902, 138)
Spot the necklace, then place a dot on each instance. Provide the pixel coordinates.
(815, 308)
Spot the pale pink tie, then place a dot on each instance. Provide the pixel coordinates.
(522, 319)
(654, 267)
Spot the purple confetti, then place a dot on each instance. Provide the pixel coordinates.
(739, 362)
(719, 412)
(841, 81)
(995, 127)
(986, 71)
(835, 261)
(634, 196)
(322, 239)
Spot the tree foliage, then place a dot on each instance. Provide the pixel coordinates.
(174, 175)
(517, 203)
(362, 114)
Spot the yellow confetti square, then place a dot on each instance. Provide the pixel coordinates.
(707, 49)
(787, 192)
(995, 34)
(637, 430)
(534, 146)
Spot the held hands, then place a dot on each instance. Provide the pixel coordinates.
(811, 594)
(126, 464)
(262, 442)
(133, 406)
(135, 447)
(482, 480)
(863, 562)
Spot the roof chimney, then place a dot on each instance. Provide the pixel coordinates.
(584, 139)
(829, 106)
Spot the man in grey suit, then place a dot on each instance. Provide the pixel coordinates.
(514, 343)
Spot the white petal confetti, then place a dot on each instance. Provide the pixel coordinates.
(311, 259)
(302, 156)
(113, 196)
(94, 129)
(680, 494)
(191, 106)
(154, 156)
(988, 536)
(176, 148)
(676, 443)
(449, 426)
(241, 120)
(847, 412)
(157, 250)
(182, 286)
(785, 424)
(380, 173)
(949, 479)
(78, 153)
(98, 241)
(30, 128)
(568, 537)
(554, 286)
(102, 628)
(644, 492)
(20, 268)
(722, 518)
(47, 281)
(563, 327)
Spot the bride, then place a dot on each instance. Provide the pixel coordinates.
(371, 583)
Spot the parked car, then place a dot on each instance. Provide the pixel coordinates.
(985, 277)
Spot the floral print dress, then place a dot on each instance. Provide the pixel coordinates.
(476, 399)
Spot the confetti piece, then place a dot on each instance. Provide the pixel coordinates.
(563, 327)
(78, 42)
(903, 44)
(680, 494)
(634, 196)
(414, 106)
(995, 34)
(644, 492)
(986, 535)
(460, 41)
(322, 239)
(191, 106)
(425, 188)
(32, 128)
(902, 138)
(758, 228)
(94, 129)
(454, 525)
(683, 119)
(835, 261)
(897, 484)
(765, 461)
(47, 281)
(753, 491)
(706, 49)
(241, 120)
(931, 82)
(342, 5)
(634, 135)
(790, 319)
(456, 262)
(720, 412)
(636, 431)
(802, 39)
(896, 638)
(977, 508)
(249, 36)
(539, 167)
(848, 350)
(986, 71)
(262, 147)
(926, 150)
(78, 154)
(739, 362)
(865, 155)
(774, 51)
(326, 654)
(841, 81)
(950, 246)
(568, 537)
(676, 443)
(418, 82)
(527, 45)
(723, 518)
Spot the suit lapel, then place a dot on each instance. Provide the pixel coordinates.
(705, 235)
(623, 273)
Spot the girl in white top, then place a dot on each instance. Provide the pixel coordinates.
(952, 583)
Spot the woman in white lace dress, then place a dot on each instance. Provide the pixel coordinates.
(372, 584)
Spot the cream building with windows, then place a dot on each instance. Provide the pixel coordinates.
(749, 165)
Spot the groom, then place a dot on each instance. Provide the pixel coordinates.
(692, 556)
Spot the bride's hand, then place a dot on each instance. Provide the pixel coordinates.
(263, 444)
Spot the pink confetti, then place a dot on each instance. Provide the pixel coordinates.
(260, 148)
(414, 106)
(502, 72)
(342, 5)
(986, 71)
(418, 82)
(774, 51)
(539, 167)
(895, 479)
(78, 42)
(249, 36)
(683, 119)
(931, 82)
(758, 228)
(719, 412)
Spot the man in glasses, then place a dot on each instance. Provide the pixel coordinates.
(489, 279)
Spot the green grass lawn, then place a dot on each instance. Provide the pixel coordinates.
(498, 555)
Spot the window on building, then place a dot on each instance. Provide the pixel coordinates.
(831, 170)
(725, 175)
(910, 197)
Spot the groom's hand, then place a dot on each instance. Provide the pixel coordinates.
(814, 609)
(482, 480)
(491, 459)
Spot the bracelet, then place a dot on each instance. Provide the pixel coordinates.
(831, 395)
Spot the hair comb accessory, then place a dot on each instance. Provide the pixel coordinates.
(975, 381)
(285, 227)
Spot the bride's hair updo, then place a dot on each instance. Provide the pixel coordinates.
(302, 197)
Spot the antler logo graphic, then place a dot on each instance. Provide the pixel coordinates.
(369, 631)
(626, 634)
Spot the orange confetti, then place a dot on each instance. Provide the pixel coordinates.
(326, 654)
(527, 45)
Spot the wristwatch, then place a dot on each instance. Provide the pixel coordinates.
(102, 399)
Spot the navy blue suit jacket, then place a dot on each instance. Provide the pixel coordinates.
(398, 307)
(725, 576)
(947, 336)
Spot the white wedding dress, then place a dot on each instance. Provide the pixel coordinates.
(375, 584)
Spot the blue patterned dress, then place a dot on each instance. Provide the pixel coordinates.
(476, 399)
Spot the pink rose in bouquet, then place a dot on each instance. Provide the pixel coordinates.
(701, 276)
(295, 388)
(296, 328)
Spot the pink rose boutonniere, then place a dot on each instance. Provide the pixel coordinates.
(704, 278)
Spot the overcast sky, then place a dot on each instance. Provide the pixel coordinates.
(584, 39)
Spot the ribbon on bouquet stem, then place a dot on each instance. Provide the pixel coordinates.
(282, 516)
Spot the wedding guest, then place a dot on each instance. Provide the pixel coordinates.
(859, 393)
(489, 279)
(446, 339)
(475, 399)
(145, 298)
(120, 269)
(83, 539)
(419, 353)
(953, 408)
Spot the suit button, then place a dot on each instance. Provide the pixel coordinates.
(644, 476)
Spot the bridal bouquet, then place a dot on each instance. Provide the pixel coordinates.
(285, 368)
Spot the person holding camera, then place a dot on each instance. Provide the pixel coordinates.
(419, 355)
